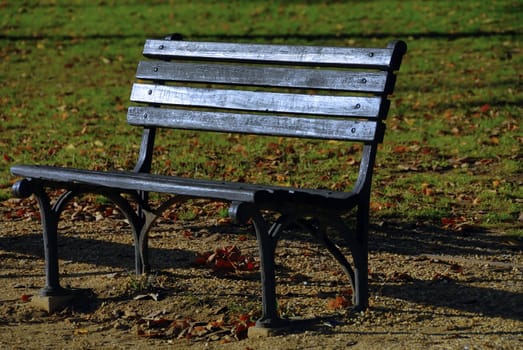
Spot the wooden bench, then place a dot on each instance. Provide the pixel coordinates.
(330, 93)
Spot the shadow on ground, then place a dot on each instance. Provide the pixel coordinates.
(394, 238)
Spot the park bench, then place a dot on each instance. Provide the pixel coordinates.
(325, 93)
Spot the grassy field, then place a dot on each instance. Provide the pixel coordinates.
(452, 154)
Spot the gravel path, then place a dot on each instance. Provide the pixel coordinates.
(430, 288)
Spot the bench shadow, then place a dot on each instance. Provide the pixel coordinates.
(408, 238)
(477, 248)
(433, 242)
(394, 237)
(90, 251)
(488, 302)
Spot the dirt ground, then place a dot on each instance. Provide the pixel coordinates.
(430, 288)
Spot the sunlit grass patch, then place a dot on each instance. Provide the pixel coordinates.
(453, 130)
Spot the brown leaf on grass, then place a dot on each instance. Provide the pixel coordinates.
(26, 297)
(227, 259)
(201, 258)
(340, 302)
(217, 323)
(240, 325)
(148, 333)
(427, 189)
(199, 331)
(455, 223)
(400, 149)
(494, 140)
(176, 327)
(235, 328)
(380, 206)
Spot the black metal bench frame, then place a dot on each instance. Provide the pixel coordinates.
(353, 103)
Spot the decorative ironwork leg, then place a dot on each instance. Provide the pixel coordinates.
(149, 217)
(141, 222)
(240, 213)
(358, 244)
(267, 241)
(136, 223)
(361, 258)
(320, 233)
(50, 216)
(266, 246)
(142, 242)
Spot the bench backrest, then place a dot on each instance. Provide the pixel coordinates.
(297, 91)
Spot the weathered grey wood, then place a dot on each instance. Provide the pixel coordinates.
(335, 129)
(131, 181)
(306, 55)
(368, 107)
(342, 80)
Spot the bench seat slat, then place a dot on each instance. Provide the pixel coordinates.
(342, 80)
(335, 129)
(380, 58)
(132, 181)
(368, 107)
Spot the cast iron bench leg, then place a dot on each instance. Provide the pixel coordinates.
(361, 258)
(137, 224)
(319, 231)
(144, 220)
(358, 244)
(267, 245)
(50, 217)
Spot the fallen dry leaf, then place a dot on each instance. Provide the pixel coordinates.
(26, 297)
(340, 302)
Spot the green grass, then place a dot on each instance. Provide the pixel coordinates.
(453, 144)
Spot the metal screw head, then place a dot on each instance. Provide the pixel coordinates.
(161, 47)
(371, 54)
(357, 106)
(363, 81)
(145, 115)
(353, 130)
(150, 92)
(155, 69)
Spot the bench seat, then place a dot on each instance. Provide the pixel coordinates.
(265, 196)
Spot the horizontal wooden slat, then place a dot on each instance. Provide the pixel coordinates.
(342, 80)
(368, 107)
(307, 55)
(131, 181)
(335, 129)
